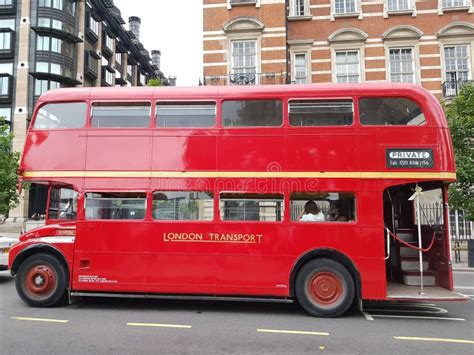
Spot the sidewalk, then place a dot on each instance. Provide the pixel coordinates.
(462, 266)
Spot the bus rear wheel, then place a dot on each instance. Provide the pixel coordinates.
(41, 281)
(324, 288)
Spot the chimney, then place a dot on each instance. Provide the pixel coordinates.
(134, 24)
(156, 58)
(172, 80)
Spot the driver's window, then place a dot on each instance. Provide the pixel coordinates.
(62, 204)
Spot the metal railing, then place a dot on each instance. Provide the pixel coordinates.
(238, 2)
(246, 79)
(452, 88)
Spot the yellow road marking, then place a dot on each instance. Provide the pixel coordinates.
(291, 332)
(41, 320)
(442, 340)
(160, 325)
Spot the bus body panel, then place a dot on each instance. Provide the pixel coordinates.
(146, 256)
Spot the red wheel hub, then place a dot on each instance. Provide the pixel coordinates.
(40, 280)
(325, 287)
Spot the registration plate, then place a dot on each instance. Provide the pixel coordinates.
(5, 251)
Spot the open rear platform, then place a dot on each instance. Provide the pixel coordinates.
(396, 291)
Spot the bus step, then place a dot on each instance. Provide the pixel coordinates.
(412, 278)
(413, 264)
(406, 251)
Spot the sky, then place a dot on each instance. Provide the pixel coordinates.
(173, 27)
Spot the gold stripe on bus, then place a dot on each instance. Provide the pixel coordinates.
(240, 174)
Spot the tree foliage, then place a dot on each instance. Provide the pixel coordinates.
(9, 197)
(155, 82)
(461, 122)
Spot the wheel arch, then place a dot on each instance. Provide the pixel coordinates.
(36, 249)
(330, 254)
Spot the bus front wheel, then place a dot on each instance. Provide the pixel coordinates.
(324, 288)
(41, 280)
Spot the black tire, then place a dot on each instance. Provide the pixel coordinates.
(42, 280)
(324, 288)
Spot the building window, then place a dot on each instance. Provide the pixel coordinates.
(298, 7)
(109, 42)
(68, 6)
(118, 58)
(347, 67)
(41, 86)
(5, 41)
(244, 57)
(6, 68)
(398, 5)
(130, 70)
(53, 68)
(345, 6)
(301, 68)
(94, 25)
(456, 62)
(7, 23)
(402, 65)
(5, 85)
(453, 3)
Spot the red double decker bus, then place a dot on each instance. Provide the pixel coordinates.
(275, 193)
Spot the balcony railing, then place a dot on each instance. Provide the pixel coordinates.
(242, 2)
(246, 79)
(452, 88)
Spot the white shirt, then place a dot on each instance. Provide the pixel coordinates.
(309, 217)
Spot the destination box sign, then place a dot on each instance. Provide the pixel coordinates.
(409, 158)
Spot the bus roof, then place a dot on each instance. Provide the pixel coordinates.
(211, 92)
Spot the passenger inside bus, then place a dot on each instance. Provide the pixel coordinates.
(311, 213)
(335, 213)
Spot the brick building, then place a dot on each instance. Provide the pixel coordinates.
(430, 42)
(47, 44)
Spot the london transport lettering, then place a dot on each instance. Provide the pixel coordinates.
(213, 237)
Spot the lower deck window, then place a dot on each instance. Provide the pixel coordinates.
(183, 206)
(62, 204)
(115, 205)
(263, 208)
(323, 207)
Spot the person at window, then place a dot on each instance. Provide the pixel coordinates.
(335, 214)
(311, 213)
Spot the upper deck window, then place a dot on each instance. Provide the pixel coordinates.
(185, 114)
(321, 113)
(252, 113)
(121, 115)
(390, 111)
(61, 116)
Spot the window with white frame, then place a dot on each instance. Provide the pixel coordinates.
(5, 41)
(244, 57)
(347, 67)
(298, 7)
(345, 6)
(94, 25)
(453, 3)
(402, 65)
(456, 62)
(398, 5)
(301, 68)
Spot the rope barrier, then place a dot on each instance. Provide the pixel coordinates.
(412, 246)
